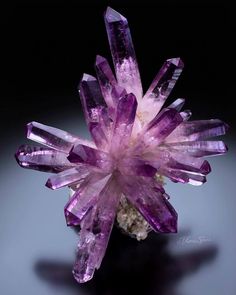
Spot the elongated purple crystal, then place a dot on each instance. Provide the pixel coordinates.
(161, 126)
(124, 121)
(184, 177)
(151, 204)
(84, 154)
(101, 130)
(42, 159)
(198, 130)
(109, 87)
(53, 137)
(84, 198)
(123, 53)
(186, 114)
(186, 163)
(75, 175)
(200, 148)
(95, 232)
(91, 97)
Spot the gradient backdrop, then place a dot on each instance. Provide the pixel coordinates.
(47, 45)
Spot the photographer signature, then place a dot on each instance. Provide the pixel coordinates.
(193, 240)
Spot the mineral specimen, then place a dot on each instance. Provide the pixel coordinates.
(135, 139)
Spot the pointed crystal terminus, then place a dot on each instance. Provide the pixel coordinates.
(106, 79)
(108, 84)
(52, 137)
(123, 53)
(42, 159)
(163, 84)
(85, 198)
(125, 116)
(91, 98)
(166, 78)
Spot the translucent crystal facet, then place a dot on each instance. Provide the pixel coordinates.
(123, 53)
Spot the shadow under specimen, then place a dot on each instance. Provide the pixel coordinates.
(130, 267)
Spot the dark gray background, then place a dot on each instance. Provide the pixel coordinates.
(46, 48)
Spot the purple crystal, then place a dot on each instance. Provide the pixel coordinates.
(91, 98)
(53, 137)
(186, 115)
(84, 198)
(75, 175)
(125, 115)
(162, 85)
(151, 204)
(200, 148)
(42, 159)
(198, 130)
(84, 154)
(101, 130)
(123, 53)
(189, 164)
(109, 87)
(135, 143)
(161, 126)
(95, 232)
(177, 104)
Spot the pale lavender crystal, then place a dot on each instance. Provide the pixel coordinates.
(189, 164)
(91, 97)
(162, 86)
(102, 129)
(135, 143)
(42, 159)
(111, 91)
(123, 53)
(184, 177)
(95, 232)
(72, 176)
(177, 104)
(186, 115)
(161, 126)
(199, 148)
(198, 130)
(125, 116)
(85, 197)
(53, 137)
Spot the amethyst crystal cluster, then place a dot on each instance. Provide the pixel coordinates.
(135, 139)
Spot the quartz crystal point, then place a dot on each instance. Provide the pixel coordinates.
(111, 91)
(91, 98)
(151, 204)
(42, 159)
(95, 232)
(123, 53)
(85, 198)
(136, 142)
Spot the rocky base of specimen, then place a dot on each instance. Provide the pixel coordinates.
(130, 221)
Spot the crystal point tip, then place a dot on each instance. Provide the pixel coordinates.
(177, 61)
(87, 77)
(112, 15)
(99, 59)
